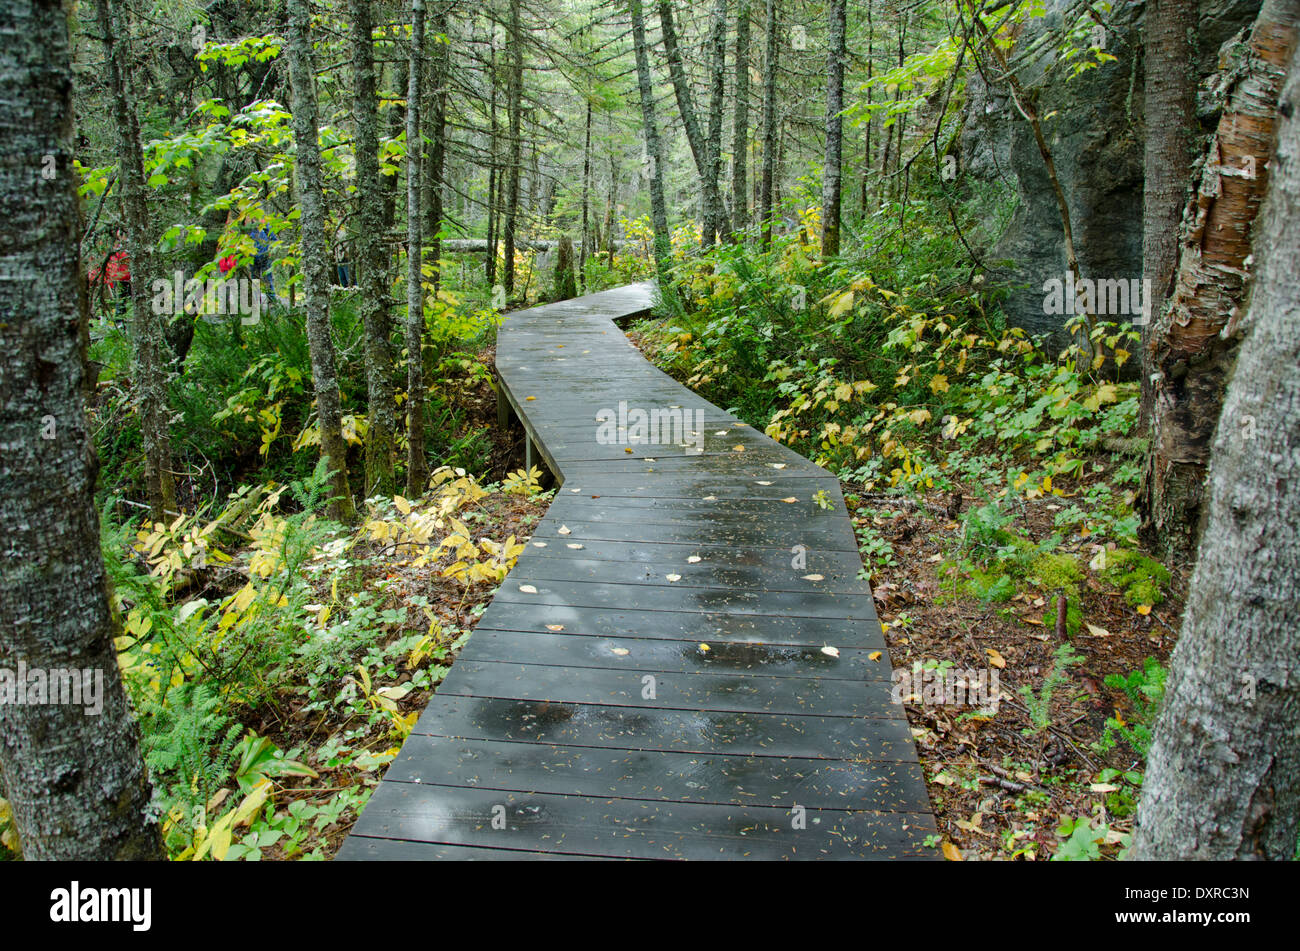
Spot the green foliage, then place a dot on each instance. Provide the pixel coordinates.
(1142, 579)
(1039, 703)
(1145, 690)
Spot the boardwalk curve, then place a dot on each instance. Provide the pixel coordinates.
(683, 664)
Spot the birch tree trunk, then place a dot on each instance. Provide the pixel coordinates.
(1169, 107)
(1192, 342)
(1223, 775)
(315, 276)
(150, 356)
(368, 235)
(75, 780)
(654, 148)
(417, 467)
(831, 174)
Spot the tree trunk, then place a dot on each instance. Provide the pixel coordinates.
(494, 172)
(434, 181)
(695, 136)
(1169, 105)
(769, 125)
(740, 123)
(311, 254)
(717, 93)
(150, 358)
(514, 106)
(1192, 341)
(654, 148)
(75, 781)
(1223, 775)
(373, 260)
(417, 467)
(866, 134)
(831, 177)
(586, 201)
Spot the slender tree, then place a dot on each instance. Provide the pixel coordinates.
(514, 108)
(1223, 774)
(150, 356)
(368, 237)
(714, 214)
(654, 159)
(73, 774)
(417, 467)
(740, 122)
(831, 174)
(315, 275)
(716, 225)
(769, 123)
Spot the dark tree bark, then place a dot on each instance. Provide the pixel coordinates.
(1169, 105)
(315, 275)
(831, 175)
(514, 106)
(654, 148)
(75, 781)
(715, 224)
(1223, 774)
(433, 180)
(740, 122)
(1193, 340)
(373, 260)
(417, 467)
(769, 124)
(586, 201)
(150, 357)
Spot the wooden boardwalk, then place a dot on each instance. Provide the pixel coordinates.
(683, 664)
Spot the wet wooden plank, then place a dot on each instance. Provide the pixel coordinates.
(591, 724)
(626, 828)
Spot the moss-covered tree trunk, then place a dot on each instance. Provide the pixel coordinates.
(417, 467)
(74, 778)
(1223, 774)
(832, 180)
(308, 182)
(368, 235)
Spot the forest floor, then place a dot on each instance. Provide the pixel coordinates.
(1008, 784)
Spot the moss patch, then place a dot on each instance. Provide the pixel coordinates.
(1142, 579)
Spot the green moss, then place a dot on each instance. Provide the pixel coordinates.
(1052, 572)
(1142, 579)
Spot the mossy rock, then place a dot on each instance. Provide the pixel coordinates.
(1142, 579)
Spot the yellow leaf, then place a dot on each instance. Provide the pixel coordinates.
(951, 852)
(996, 659)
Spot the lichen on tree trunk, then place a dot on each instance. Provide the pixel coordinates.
(75, 780)
(309, 183)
